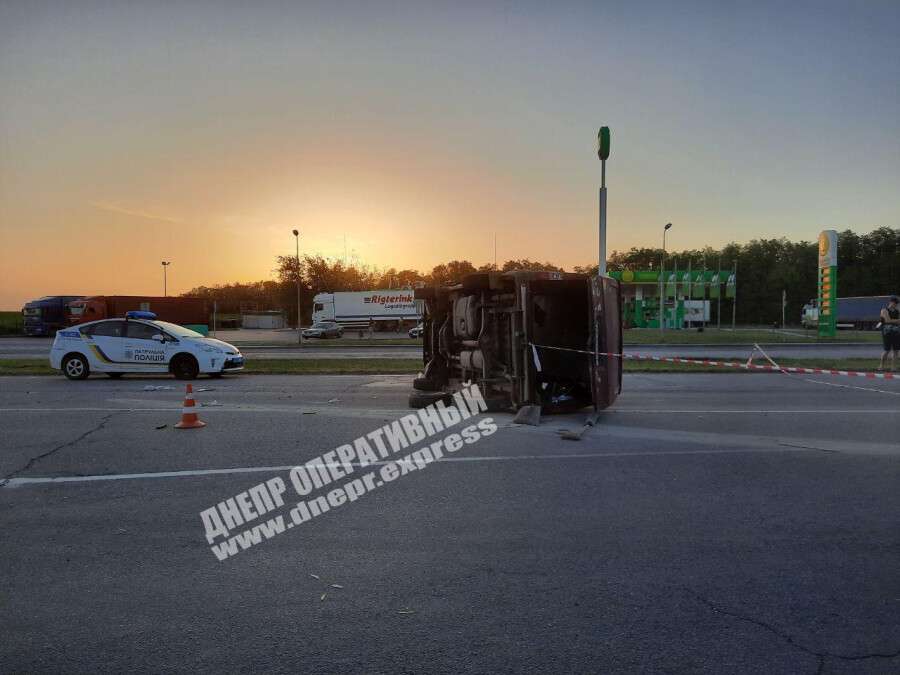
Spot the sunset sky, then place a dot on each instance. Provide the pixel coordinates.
(202, 133)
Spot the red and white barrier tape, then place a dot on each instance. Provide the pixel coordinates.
(732, 364)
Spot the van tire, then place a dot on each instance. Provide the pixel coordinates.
(76, 367)
(423, 399)
(185, 367)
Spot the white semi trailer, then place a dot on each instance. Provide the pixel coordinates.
(382, 309)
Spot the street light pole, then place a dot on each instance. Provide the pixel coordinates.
(299, 332)
(662, 281)
(165, 265)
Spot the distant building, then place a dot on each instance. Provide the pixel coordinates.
(271, 320)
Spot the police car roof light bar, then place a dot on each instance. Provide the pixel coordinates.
(139, 314)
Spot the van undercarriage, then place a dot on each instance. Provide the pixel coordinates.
(525, 338)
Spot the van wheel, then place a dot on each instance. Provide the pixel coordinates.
(76, 367)
(423, 399)
(185, 367)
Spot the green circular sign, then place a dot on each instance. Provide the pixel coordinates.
(603, 143)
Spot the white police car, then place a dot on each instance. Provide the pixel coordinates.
(140, 344)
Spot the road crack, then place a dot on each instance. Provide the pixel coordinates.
(820, 656)
(62, 446)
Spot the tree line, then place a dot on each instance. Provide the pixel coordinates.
(868, 264)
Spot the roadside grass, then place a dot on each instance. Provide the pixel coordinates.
(259, 367)
(864, 365)
(26, 367)
(11, 323)
(340, 342)
(644, 336)
(331, 366)
(411, 366)
(634, 336)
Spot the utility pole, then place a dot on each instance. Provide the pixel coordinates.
(703, 287)
(675, 286)
(299, 332)
(783, 306)
(734, 299)
(719, 296)
(165, 265)
(690, 287)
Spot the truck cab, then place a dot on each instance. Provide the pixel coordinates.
(82, 310)
(323, 307)
(44, 316)
(810, 316)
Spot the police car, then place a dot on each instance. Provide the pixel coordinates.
(140, 344)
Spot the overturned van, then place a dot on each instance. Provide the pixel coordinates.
(526, 338)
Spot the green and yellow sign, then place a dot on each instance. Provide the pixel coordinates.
(828, 283)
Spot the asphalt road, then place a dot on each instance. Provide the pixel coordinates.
(710, 523)
(29, 348)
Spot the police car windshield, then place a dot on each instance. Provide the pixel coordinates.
(179, 331)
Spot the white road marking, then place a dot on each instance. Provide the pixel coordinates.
(44, 480)
(389, 411)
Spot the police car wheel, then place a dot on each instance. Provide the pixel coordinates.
(76, 367)
(185, 367)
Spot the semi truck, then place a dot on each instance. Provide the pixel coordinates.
(46, 315)
(861, 313)
(379, 309)
(191, 313)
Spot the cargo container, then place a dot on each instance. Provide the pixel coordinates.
(861, 313)
(381, 310)
(192, 313)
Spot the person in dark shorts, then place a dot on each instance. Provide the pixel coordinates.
(890, 332)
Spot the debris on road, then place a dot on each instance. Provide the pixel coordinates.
(336, 586)
(314, 576)
(528, 414)
(568, 435)
(161, 426)
(157, 387)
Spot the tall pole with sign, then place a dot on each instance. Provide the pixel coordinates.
(603, 154)
(828, 283)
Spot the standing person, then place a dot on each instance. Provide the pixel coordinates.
(890, 332)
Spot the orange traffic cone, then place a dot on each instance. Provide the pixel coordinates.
(189, 419)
